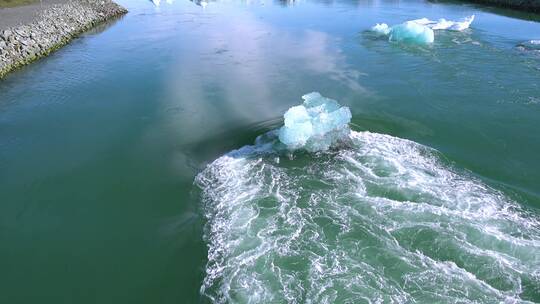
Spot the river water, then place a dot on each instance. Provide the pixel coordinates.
(118, 184)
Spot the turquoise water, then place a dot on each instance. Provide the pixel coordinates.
(117, 183)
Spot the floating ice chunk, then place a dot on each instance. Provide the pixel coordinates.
(298, 128)
(530, 45)
(412, 32)
(423, 21)
(420, 30)
(156, 2)
(409, 32)
(315, 125)
(381, 29)
(465, 23)
(443, 24)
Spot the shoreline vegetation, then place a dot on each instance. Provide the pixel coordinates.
(51, 28)
(15, 3)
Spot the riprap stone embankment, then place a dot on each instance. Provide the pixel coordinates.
(51, 29)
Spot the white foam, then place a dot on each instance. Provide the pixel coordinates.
(380, 221)
(381, 29)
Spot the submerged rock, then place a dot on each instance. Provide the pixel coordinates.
(315, 125)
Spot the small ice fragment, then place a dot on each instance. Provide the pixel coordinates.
(381, 29)
(156, 2)
(461, 25)
(315, 125)
(530, 45)
(412, 32)
(443, 24)
(423, 21)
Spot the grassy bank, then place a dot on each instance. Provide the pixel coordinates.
(14, 3)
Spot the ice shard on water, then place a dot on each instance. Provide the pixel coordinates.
(443, 24)
(530, 45)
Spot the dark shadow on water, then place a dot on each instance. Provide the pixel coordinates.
(210, 148)
(502, 11)
(100, 28)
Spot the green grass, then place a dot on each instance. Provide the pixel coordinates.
(13, 3)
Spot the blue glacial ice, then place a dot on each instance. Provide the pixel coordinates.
(420, 31)
(315, 125)
(411, 32)
(408, 32)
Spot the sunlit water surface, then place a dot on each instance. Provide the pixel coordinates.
(117, 183)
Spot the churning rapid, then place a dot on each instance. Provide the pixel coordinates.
(373, 219)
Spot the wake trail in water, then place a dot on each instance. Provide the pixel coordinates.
(378, 220)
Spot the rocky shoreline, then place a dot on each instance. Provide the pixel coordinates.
(52, 29)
